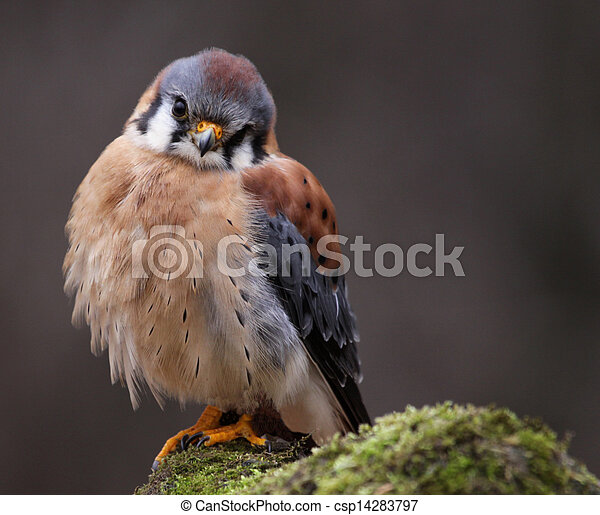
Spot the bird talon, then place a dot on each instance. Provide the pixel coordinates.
(207, 421)
(208, 431)
(275, 443)
(202, 440)
(193, 437)
(183, 444)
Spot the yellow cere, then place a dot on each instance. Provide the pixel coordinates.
(203, 125)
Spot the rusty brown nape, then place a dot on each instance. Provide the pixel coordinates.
(284, 185)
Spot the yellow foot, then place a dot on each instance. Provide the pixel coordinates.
(208, 420)
(241, 429)
(208, 431)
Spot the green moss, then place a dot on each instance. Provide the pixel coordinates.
(221, 469)
(445, 449)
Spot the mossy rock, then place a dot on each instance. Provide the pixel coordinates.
(445, 449)
(220, 469)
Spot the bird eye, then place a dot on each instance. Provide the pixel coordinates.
(179, 109)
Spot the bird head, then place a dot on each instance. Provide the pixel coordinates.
(212, 109)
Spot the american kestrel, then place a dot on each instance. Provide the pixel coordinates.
(167, 265)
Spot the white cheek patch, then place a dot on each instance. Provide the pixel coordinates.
(242, 156)
(160, 129)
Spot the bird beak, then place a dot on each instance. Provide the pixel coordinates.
(206, 136)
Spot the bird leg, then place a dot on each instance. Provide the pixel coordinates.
(208, 420)
(209, 431)
(241, 429)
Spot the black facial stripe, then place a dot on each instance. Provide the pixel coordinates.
(232, 143)
(178, 135)
(258, 149)
(144, 119)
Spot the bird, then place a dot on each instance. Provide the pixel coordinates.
(198, 164)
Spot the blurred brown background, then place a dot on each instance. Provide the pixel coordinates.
(479, 120)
